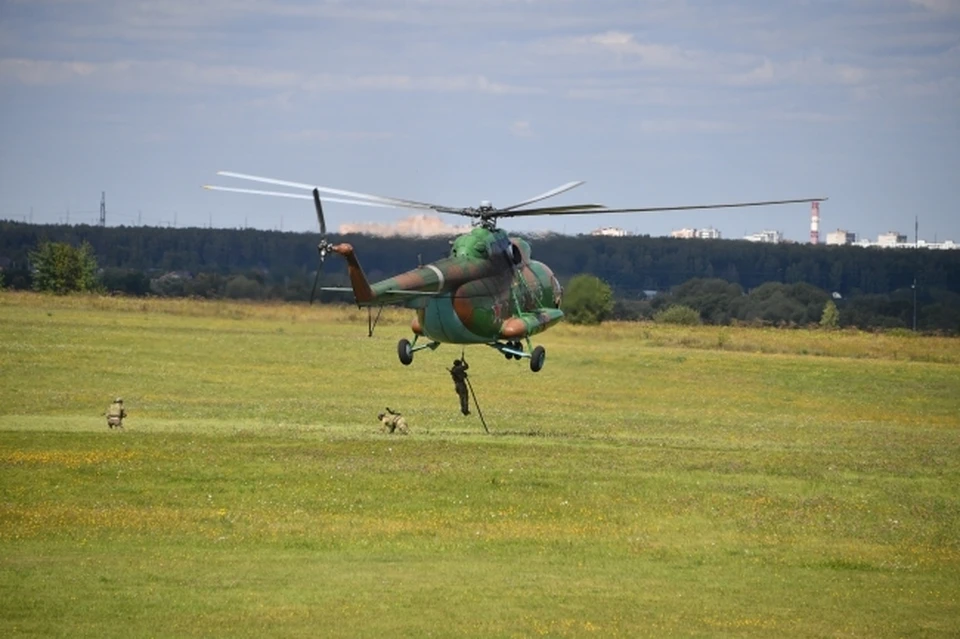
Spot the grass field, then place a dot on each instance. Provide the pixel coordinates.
(650, 481)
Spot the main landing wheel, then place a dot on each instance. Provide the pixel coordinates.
(537, 357)
(405, 352)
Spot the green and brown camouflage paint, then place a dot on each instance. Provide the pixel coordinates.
(486, 290)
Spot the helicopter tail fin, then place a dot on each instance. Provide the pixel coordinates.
(358, 279)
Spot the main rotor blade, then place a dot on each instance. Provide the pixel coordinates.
(296, 196)
(411, 204)
(557, 191)
(255, 192)
(547, 210)
(654, 209)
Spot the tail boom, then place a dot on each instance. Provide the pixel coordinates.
(358, 279)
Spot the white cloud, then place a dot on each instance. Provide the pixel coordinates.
(413, 226)
(312, 136)
(941, 6)
(178, 75)
(762, 74)
(650, 54)
(805, 71)
(521, 129)
(623, 47)
(674, 126)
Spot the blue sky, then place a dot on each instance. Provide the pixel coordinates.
(454, 101)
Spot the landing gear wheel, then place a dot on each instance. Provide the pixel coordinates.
(517, 346)
(536, 358)
(405, 352)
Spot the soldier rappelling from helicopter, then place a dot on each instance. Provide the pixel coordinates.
(459, 375)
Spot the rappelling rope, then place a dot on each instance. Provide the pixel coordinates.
(474, 395)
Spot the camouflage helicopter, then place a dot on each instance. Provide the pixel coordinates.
(487, 291)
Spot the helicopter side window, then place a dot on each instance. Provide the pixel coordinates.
(557, 291)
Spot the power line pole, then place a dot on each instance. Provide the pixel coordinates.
(103, 208)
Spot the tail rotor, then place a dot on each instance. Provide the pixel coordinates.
(324, 246)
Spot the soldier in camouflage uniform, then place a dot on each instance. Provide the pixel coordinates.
(459, 375)
(392, 422)
(115, 414)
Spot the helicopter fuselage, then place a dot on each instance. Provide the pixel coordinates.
(487, 289)
(510, 304)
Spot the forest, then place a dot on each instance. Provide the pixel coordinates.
(725, 280)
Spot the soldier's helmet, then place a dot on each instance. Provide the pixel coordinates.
(380, 416)
(456, 362)
(119, 400)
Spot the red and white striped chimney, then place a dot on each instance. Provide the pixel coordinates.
(814, 222)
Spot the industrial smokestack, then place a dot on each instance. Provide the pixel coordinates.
(814, 222)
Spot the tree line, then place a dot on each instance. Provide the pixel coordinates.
(873, 287)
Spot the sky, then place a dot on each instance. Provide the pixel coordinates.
(651, 102)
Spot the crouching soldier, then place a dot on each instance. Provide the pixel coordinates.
(115, 414)
(393, 422)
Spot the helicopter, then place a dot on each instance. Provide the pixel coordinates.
(488, 290)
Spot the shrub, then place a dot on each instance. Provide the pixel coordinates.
(61, 268)
(678, 314)
(831, 316)
(587, 300)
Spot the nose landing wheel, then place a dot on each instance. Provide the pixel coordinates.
(405, 352)
(514, 350)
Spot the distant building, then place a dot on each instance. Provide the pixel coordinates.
(891, 239)
(610, 231)
(769, 237)
(703, 234)
(840, 237)
(946, 245)
(709, 233)
(899, 240)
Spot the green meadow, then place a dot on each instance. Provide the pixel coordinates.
(650, 481)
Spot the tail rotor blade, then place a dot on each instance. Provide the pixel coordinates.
(319, 207)
(322, 251)
(316, 281)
